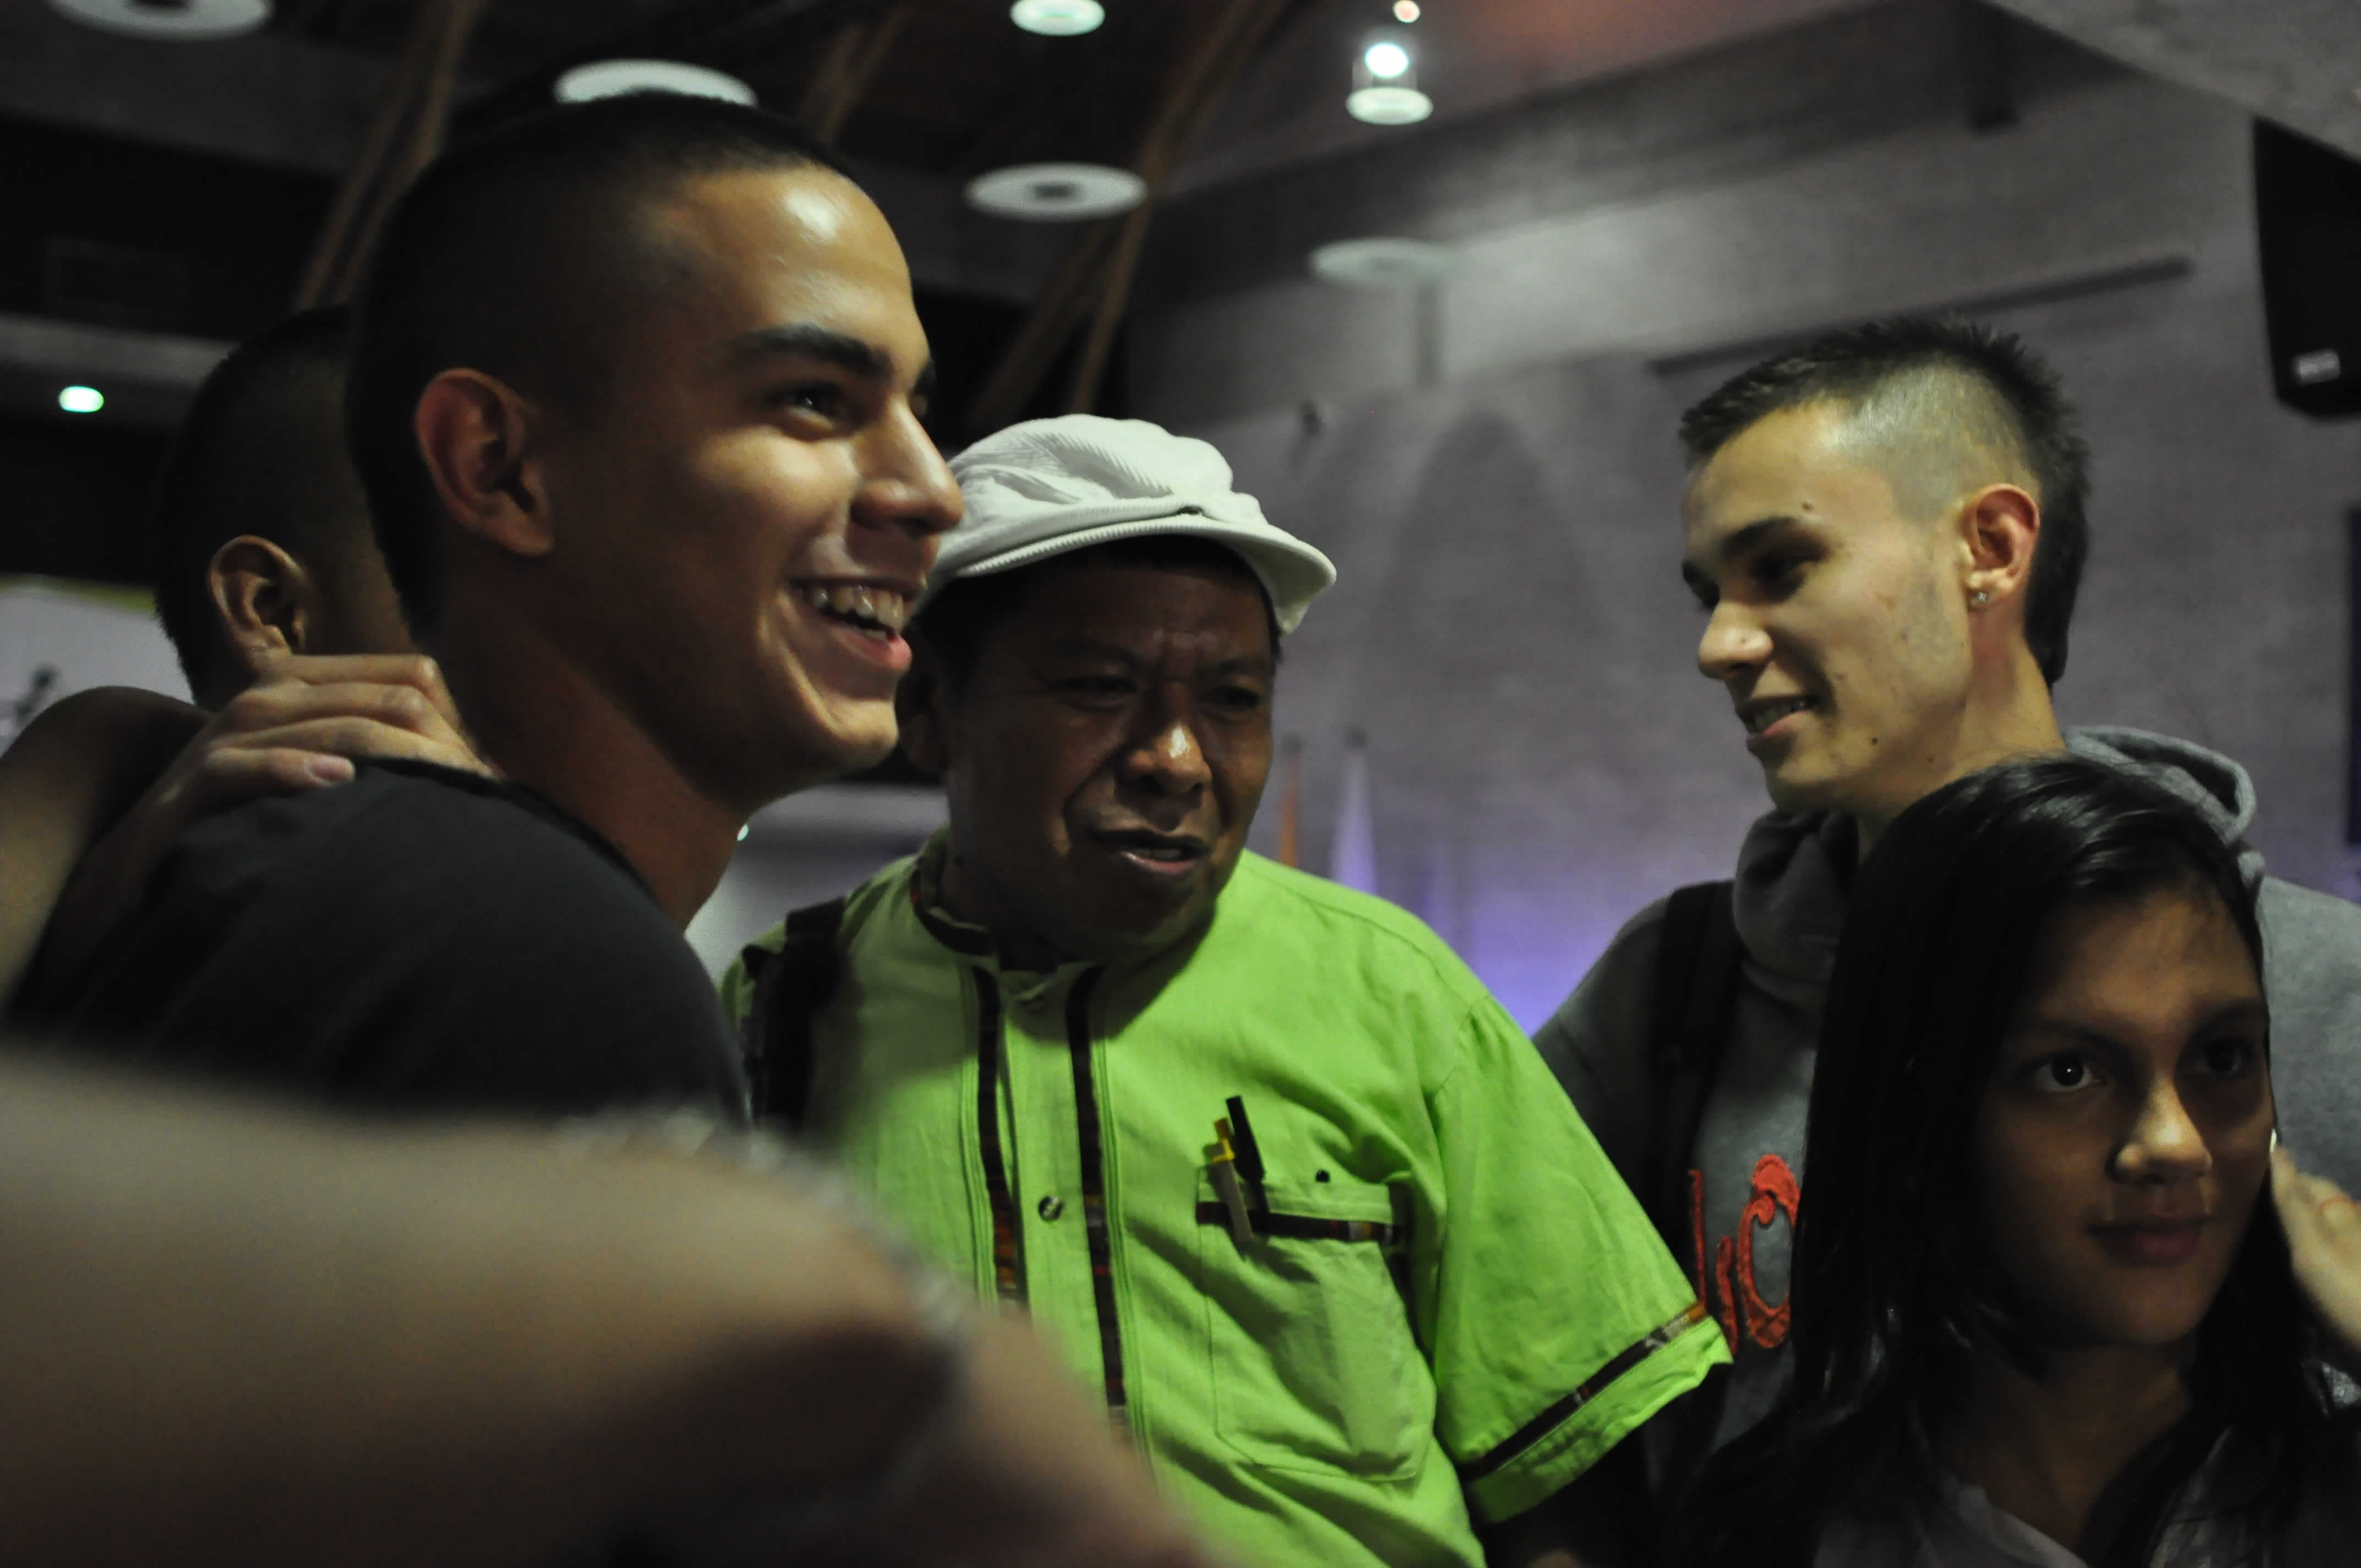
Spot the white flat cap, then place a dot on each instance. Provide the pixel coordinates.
(1050, 486)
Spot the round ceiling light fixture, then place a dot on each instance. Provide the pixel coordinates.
(1385, 85)
(79, 400)
(186, 20)
(1057, 192)
(613, 77)
(1406, 10)
(1058, 19)
(1388, 105)
(1383, 262)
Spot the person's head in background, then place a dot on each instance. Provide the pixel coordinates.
(636, 398)
(2039, 1132)
(1094, 679)
(259, 534)
(1887, 528)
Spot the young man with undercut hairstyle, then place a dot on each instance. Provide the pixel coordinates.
(1293, 1194)
(1886, 529)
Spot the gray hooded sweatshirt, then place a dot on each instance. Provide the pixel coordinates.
(1745, 1172)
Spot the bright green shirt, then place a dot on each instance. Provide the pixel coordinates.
(1449, 1301)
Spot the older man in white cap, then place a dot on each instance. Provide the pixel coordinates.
(1257, 1151)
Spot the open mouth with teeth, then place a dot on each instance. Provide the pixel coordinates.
(872, 611)
(1759, 717)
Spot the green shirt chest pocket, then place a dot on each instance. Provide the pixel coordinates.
(1308, 1338)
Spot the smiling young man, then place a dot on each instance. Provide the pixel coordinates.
(1291, 1190)
(1885, 528)
(635, 398)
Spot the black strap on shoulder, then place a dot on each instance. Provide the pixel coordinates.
(1697, 993)
(790, 988)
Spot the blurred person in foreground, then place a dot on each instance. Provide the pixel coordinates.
(1885, 530)
(2044, 1312)
(240, 1333)
(1290, 1189)
(635, 398)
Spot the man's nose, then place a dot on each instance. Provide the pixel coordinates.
(2164, 1143)
(1167, 757)
(1734, 641)
(905, 484)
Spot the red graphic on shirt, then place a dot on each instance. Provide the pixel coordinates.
(1775, 1194)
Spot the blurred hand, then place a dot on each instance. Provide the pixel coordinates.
(297, 728)
(1028, 1473)
(1032, 1474)
(2324, 1232)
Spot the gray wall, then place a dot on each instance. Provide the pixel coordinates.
(1510, 628)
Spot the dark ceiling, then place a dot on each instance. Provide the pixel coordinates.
(957, 90)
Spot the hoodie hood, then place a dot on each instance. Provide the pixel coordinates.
(1794, 872)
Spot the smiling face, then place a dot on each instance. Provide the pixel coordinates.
(1836, 623)
(750, 505)
(1104, 757)
(2125, 1134)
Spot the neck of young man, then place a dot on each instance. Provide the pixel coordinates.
(2045, 1447)
(537, 716)
(2007, 713)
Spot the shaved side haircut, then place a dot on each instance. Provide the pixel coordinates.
(261, 452)
(514, 255)
(1943, 405)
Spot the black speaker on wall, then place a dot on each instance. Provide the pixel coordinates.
(2308, 222)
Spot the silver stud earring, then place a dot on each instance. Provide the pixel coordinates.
(1982, 597)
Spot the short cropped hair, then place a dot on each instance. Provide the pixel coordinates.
(954, 627)
(261, 451)
(504, 258)
(1944, 378)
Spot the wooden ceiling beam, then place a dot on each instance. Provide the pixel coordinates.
(842, 78)
(1190, 108)
(1097, 275)
(404, 137)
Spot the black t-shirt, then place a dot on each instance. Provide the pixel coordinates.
(415, 939)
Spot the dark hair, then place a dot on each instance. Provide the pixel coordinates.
(2022, 396)
(1894, 1294)
(954, 625)
(260, 451)
(504, 258)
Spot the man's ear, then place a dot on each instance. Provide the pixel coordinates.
(477, 436)
(919, 709)
(268, 602)
(2000, 525)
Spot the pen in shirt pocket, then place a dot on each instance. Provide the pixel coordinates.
(1222, 1167)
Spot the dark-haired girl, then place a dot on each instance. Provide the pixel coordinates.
(2043, 1315)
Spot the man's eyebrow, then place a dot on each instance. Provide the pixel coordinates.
(805, 341)
(1733, 545)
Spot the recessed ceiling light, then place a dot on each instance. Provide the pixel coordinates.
(1058, 19)
(189, 20)
(1383, 262)
(1386, 60)
(1406, 10)
(612, 78)
(1057, 192)
(80, 399)
(1388, 105)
